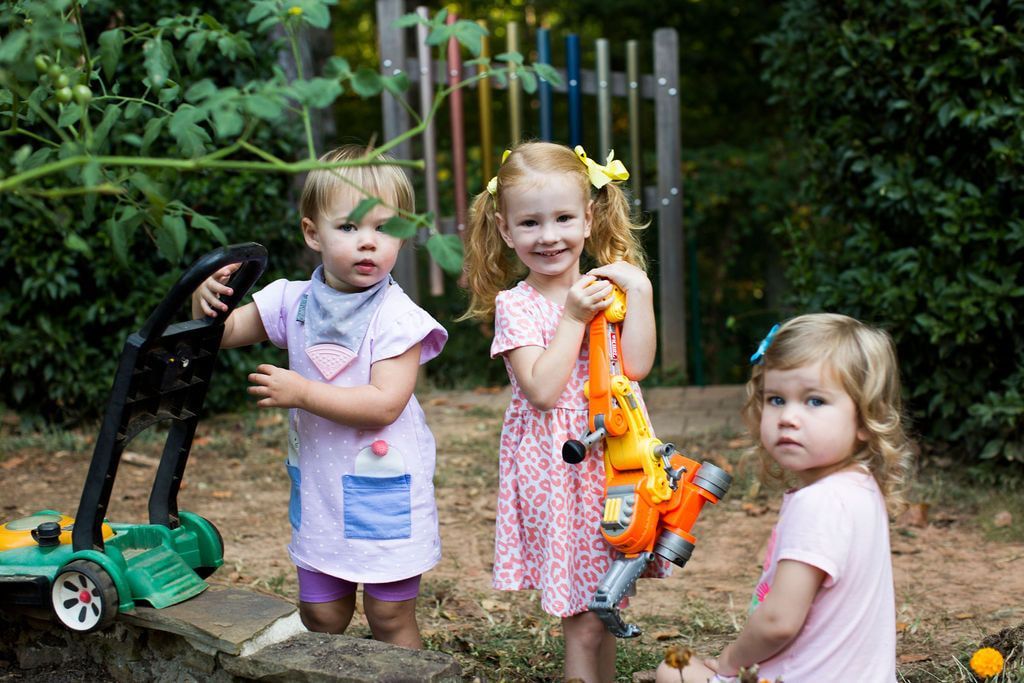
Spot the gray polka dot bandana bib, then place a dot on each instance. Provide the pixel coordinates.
(336, 322)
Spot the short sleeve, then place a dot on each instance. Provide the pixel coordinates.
(816, 529)
(515, 324)
(270, 302)
(396, 335)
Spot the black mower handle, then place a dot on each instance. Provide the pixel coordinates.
(251, 255)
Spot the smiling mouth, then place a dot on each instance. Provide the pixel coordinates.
(549, 254)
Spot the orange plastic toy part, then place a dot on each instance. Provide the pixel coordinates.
(654, 494)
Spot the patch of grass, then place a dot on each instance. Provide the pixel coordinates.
(987, 502)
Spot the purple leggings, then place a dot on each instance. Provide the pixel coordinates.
(317, 587)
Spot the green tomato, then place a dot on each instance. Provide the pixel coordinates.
(82, 94)
(42, 63)
(61, 81)
(54, 70)
(63, 95)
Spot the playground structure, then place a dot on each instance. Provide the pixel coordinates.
(662, 199)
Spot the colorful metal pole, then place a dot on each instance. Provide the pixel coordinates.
(483, 89)
(458, 133)
(604, 98)
(572, 68)
(544, 88)
(636, 178)
(429, 139)
(515, 88)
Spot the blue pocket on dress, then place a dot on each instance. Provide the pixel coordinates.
(295, 500)
(377, 508)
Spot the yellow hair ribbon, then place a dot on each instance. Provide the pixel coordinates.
(492, 184)
(613, 170)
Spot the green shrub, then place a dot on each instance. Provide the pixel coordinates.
(914, 139)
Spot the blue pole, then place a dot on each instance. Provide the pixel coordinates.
(544, 89)
(572, 67)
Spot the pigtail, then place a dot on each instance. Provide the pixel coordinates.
(486, 260)
(613, 234)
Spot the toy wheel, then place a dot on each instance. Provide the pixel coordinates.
(84, 596)
(204, 572)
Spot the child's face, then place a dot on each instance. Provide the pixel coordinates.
(546, 220)
(809, 424)
(355, 256)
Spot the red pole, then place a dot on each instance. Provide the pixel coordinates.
(458, 134)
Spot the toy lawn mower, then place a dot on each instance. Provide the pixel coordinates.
(88, 569)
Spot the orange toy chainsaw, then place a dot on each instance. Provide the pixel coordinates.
(654, 494)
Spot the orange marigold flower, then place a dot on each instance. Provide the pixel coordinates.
(678, 656)
(987, 662)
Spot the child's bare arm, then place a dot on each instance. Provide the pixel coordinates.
(776, 621)
(543, 373)
(639, 333)
(369, 406)
(244, 326)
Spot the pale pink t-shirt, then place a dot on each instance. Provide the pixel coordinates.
(839, 525)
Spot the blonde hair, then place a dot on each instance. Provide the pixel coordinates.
(388, 183)
(489, 264)
(863, 360)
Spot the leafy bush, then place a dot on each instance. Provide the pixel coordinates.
(912, 116)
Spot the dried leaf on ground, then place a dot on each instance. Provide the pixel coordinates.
(915, 515)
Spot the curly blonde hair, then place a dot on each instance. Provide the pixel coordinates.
(490, 266)
(863, 359)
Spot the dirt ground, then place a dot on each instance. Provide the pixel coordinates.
(953, 586)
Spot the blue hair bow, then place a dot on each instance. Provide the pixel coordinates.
(758, 357)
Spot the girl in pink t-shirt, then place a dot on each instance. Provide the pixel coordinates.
(824, 399)
(545, 208)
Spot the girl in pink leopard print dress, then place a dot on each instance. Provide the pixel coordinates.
(548, 206)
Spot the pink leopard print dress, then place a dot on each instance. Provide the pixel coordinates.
(549, 512)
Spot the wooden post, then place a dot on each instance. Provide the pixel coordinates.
(636, 171)
(486, 113)
(458, 131)
(396, 119)
(426, 90)
(572, 68)
(515, 88)
(671, 243)
(543, 87)
(604, 100)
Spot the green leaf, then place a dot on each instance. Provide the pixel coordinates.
(194, 45)
(69, 116)
(316, 15)
(362, 208)
(75, 243)
(156, 62)
(153, 128)
(528, 79)
(203, 223)
(470, 34)
(446, 250)
(110, 117)
(408, 21)
(171, 238)
(118, 239)
(548, 73)
(202, 90)
(337, 67)
(366, 82)
(190, 137)
(261, 9)
(316, 93)
(92, 174)
(111, 45)
(263, 107)
(510, 57)
(132, 111)
(397, 84)
(400, 227)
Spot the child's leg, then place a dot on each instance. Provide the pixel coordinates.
(326, 603)
(694, 672)
(391, 611)
(589, 649)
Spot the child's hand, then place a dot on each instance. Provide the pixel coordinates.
(276, 387)
(628, 277)
(206, 299)
(586, 297)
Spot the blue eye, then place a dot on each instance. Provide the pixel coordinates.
(347, 227)
(815, 402)
(564, 218)
(775, 401)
